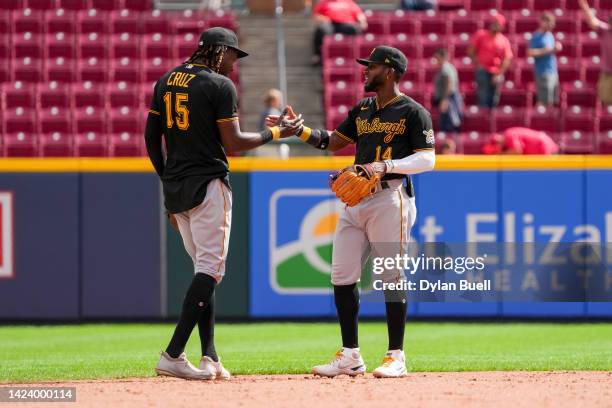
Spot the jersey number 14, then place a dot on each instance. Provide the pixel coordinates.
(182, 113)
(387, 154)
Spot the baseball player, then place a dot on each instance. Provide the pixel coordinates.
(195, 108)
(395, 139)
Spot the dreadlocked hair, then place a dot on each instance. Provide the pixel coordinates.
(210, 55)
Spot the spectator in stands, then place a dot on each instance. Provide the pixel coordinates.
(446, 95)
(491, 53)
(447, 146)
(542, 48)
(418, 5)
(336, 16)
(604, 87)
(273, 101)
(519, 140)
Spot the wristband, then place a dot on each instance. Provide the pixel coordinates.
(305, 134)
(276, 132)
(266, 136)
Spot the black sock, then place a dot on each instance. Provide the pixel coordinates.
(396, 322)
(196, 300)
(347, 305)
(206, 327)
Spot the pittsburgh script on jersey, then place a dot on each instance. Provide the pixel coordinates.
(180, 79)
(376, 126)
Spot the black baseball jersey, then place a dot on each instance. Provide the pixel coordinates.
(398, 129)
(191, 100)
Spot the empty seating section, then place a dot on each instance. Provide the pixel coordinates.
(76, 76)
(579, 123)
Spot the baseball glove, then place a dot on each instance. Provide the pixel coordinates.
(354, 183)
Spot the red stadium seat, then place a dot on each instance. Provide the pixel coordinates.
(473, 142)
(442, 137)
(366, 43)
(514, 96)
(189, 22)
(460, 45)
(41, 4)
(73, 4)
(469, 96)
(60, 21)
(28, 20)
(410, 48)
(571, 46)
(525, 69)
(577, 118)
(5, 22)
(506, 117)
(60, 69)
(93, 45)
(18, 94)
(432, 43)
(591, 45)
(139, 5)
(125, 21)
(90, 119)
(60, 45)
(401, 22)
(5, 48)
(156, 22)
(185, 44)
(432, 22)
(122, 94)
(477, 5)
(125, 119)
(93, 70)
(157, 45)
(577, 142)
(27, 45)
(125, 144)
(20, 144)
(544, 119)
(54, 94)
(341, 93)
(339, 45)
(463, 23)
(592, 69)
(19, 120)
(378, 23)
(566, 24)
(573, 5)
(88, 94)
(146, 94)
(11, 4)
(526, 24)
(579, 94)
(92, 21)
(125, 45)
(54, 119)
(221, 18)
(477, 119)
(90, 144)
(547, 5)
(512, 5)
(605, 119)
(126, 70)
(106, 4)
(604, 144)
(569, 70)
(27, 70)
(156, 68)
(56, 144)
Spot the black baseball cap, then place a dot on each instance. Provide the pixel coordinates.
(221, 36)
(385, 55)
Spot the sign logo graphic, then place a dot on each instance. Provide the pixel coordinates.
(6, 234)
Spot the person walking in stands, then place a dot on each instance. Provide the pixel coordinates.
(491, 53)
(543, 48)
(446, 96)
(604, 86)
(336, 16)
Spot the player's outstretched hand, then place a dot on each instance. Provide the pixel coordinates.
(289, 123)
(274, 120)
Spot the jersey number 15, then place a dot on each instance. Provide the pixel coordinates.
(182, 113)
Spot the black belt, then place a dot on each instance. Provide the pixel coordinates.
(385, 184)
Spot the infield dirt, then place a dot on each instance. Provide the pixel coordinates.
(497, 388)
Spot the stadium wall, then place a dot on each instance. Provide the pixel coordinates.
(86, 238)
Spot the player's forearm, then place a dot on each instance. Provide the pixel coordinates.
(249, 140)
(416, 163)
(153, 142)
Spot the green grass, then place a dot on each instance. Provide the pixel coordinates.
(31, 353)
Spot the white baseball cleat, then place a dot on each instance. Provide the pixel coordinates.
(393, 365)
(180, 367)
(347, 361)
(216, 369)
